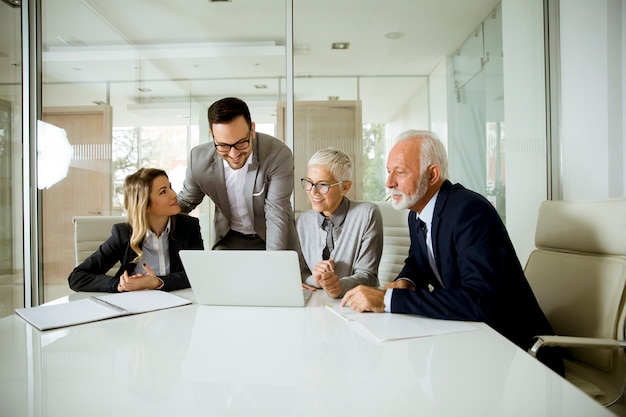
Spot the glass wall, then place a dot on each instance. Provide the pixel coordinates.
(476, 141)
(129, 82)
(131, 95)
(11, 231)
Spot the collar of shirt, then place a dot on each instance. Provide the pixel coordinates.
(338, 216)
(428, 211)
(156, 251)
(151, 235)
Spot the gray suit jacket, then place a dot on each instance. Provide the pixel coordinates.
(269, 184)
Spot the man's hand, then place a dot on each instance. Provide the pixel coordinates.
(403, 284)
(364, 298)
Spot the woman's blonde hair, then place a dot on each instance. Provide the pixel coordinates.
(136, 201)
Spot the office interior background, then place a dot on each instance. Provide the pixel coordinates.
(527, 95)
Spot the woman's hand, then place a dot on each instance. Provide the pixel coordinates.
(325, 277)
(136, 282)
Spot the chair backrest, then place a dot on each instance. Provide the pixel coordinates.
(578, 272)
(90, 232)
(396, 242)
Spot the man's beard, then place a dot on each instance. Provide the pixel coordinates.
(409, 200)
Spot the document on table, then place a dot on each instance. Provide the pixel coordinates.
(86, 310)
(390, 326)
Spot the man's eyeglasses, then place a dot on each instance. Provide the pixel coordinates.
(240, 145)
(321, 187)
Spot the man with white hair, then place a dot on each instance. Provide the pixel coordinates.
(461, 264)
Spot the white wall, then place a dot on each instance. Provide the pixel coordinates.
(525, 119)
(592, 100)
(592, 116)
(414, 114)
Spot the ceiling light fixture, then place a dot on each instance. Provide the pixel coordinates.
(340, 45)
(393, 35)
(144, 89)
(71, 40)
(260, 86)
(13, 3)
(302, 49)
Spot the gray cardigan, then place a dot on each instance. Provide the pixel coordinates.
(357, 250)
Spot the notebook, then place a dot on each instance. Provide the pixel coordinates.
(86, 310)
(245, 277)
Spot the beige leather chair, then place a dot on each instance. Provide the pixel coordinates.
(396, 242)
(578, 273)
(90, 232)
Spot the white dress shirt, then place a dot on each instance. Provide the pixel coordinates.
(426, 216)
(240, 220)
(156, 252)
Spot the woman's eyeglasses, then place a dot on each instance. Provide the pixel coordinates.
(321, 187)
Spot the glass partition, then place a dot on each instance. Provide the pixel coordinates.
(11, 230)
(129, 82)
(129, 96)
(476, 140)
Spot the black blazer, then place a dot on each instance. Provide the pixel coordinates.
(91, 274)
(483, 278)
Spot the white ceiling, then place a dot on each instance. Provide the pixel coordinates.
(195, 51)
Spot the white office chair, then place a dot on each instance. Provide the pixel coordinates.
(90, 232)
(578, 274)
(396, 242)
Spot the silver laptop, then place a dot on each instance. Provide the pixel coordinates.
(244, 277)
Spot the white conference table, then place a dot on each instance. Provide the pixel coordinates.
(259, 361)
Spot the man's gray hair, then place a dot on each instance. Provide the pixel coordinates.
(432, 150)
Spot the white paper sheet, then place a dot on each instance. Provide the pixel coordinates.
(389, 326)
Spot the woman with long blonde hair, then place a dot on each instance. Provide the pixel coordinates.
(146, 245)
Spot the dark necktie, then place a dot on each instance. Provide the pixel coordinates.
(328, 226)
(423, 253)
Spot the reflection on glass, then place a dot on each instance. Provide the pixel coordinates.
(99, 55)
(54, 154)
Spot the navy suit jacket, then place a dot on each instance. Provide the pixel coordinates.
(482, 276)
(90, 275)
